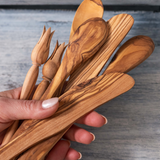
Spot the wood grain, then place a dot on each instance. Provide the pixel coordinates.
(84, 13)
(114, 24)
(119, 26)
(131, 54)
(73, 104)
(87, 40)
(49, 70)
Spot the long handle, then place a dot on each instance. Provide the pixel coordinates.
(93, 93)
(27, 89)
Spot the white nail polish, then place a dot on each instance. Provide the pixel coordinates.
(49, 103)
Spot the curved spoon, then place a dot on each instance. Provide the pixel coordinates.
(86, 10)
(131, 54)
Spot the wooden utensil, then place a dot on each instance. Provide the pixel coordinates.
(131, 54)
(87, 40)
(122, 23)
(73, 104)
(49, 70)
(86, 10)
(119, 26)
(39, 56)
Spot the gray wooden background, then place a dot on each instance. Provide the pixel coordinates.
(150, 2)
(133, 129)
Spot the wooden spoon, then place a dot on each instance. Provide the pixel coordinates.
(86, 10)
(119, 26)
(130, 55)
(39, 56)
(73, 104)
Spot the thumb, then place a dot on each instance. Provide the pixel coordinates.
(12, 109)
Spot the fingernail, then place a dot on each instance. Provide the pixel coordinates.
(80, 155)
(49, 103)
(106, 121)
(93, 136)
(69, 143)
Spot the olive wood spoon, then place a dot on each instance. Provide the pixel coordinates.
(86, 10)
(39, 56)
(131, 54)
(73, 104)
(119, 26)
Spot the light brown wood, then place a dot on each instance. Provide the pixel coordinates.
(113, 26)
(73, 104)
(49, 70)
(39, 56)
(86, 10)
(119, 26)
(131, 54)
(86, 41)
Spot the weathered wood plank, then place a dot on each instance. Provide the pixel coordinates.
(111, 2)
(133, 130)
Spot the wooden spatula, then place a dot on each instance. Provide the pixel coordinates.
(73, 104)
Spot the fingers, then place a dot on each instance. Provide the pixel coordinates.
(93, 119)
(73, 155)
(62, 151)
(80, 135)
(59, 151)
(12, 109)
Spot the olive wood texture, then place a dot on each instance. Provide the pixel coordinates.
(121, 19)
(119, 26)
(49, 70)
(131, 54)
(73, 104)
(86, 10)
(39, 56)
(86, 41)
(88, 38)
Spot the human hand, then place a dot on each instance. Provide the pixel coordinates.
(12, 109)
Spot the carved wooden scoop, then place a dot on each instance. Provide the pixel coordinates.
(73, 104)
(86, 10)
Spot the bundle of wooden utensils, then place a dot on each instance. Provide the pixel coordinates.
(92, 42)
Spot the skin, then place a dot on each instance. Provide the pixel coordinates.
(11, 109)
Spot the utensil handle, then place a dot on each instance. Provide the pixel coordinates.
(74, 104)
(28, 86)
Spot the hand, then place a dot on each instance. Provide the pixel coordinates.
(11, 109)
